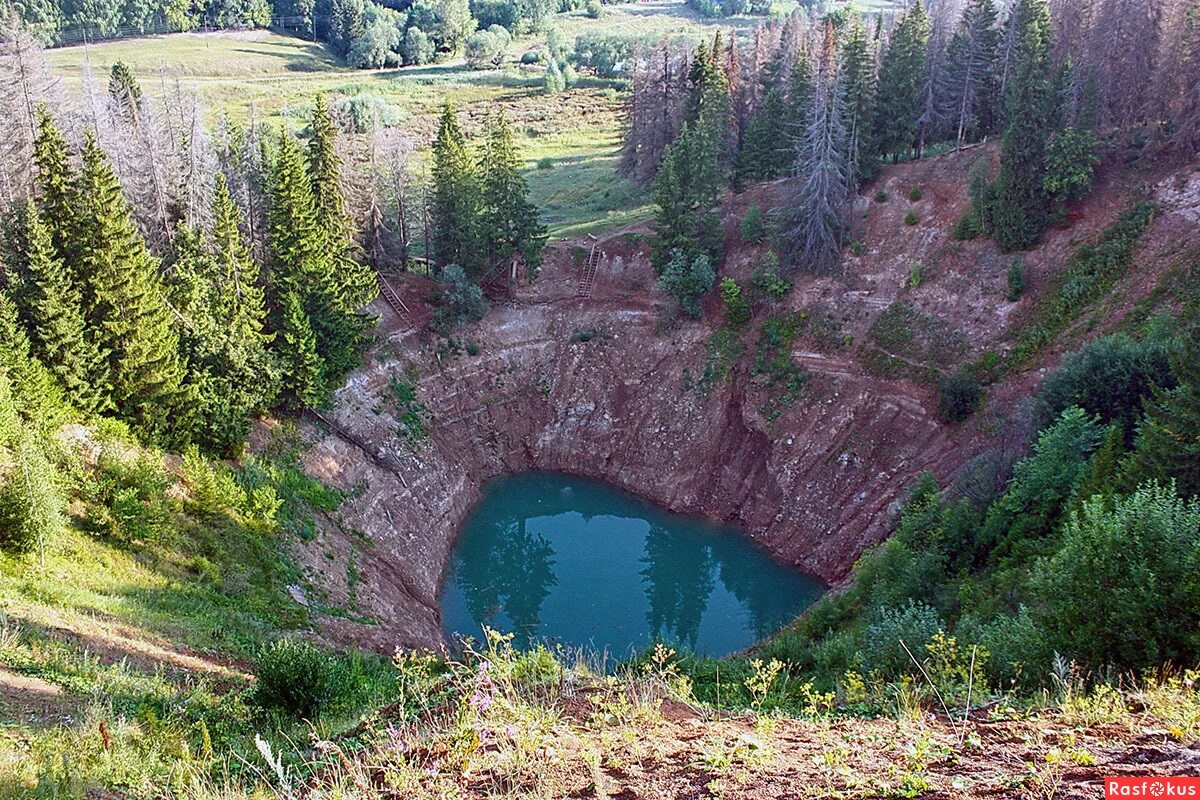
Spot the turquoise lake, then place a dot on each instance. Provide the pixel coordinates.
(559, 559)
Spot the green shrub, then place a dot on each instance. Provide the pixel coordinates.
(737, 310)
(462, 301)
(911, 218)
(593, 9)
(488, 48)
(915, 194)
(960, 395)
(914, 625)
(1071, 161)
(1110, 378)
(1016, 280)
(299, 679)
(768, 280)
(1023, 518)
(977, 221)
(881, 196)
(1020, 653)
(688, 281)
(546, 162)
(1124, 588)
(31, 504)
(295, 678)
(916, 275)
(753, 229)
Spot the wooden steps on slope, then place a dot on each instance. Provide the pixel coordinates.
(589, 272)
(392, 299)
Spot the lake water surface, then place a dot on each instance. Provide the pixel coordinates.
(562, 559)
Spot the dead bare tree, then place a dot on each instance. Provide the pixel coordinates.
(25, 83)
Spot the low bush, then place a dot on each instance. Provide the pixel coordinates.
(960, 395)
(295, 678)
(688, 281)
(753, 229)
(1016, 280)
(1110, 378)
(737, 310)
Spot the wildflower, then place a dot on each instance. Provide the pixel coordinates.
(480, 700)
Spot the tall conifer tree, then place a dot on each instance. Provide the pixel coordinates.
(858, 85)
(56, 185)
(971, 92)
(455, 206)
(126, 307)
(1168, 439)
(36, 395)
(52, 307)
(356, 282)
(508, 221)
(1020, 208)
(297, 347)
(900, 82)
(302, 264)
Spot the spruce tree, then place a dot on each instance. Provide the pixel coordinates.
(693, 171)
(508, 221)
(53, 309)
(900, 83)
(31, 505)
(455, 206)
(35, 393)
(1019, 213)
(295, 239)
(126, 308)
(223, 341)
(815, 206)
(766, 150)
(858, 87)
(297, 348)
(799, 99)
(356, 283)
(10, 421)
(301, 264)
(765, 154)
(124, 93)
(56, 186)
(971, 92)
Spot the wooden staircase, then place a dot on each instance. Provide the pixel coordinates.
(589, 272)
(393, 300)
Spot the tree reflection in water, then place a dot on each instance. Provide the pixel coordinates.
(507, 570)
(561, 559)
(678, 575)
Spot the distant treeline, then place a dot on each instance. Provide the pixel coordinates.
(365, 33)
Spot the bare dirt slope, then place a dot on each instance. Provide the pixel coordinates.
(609, 386)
